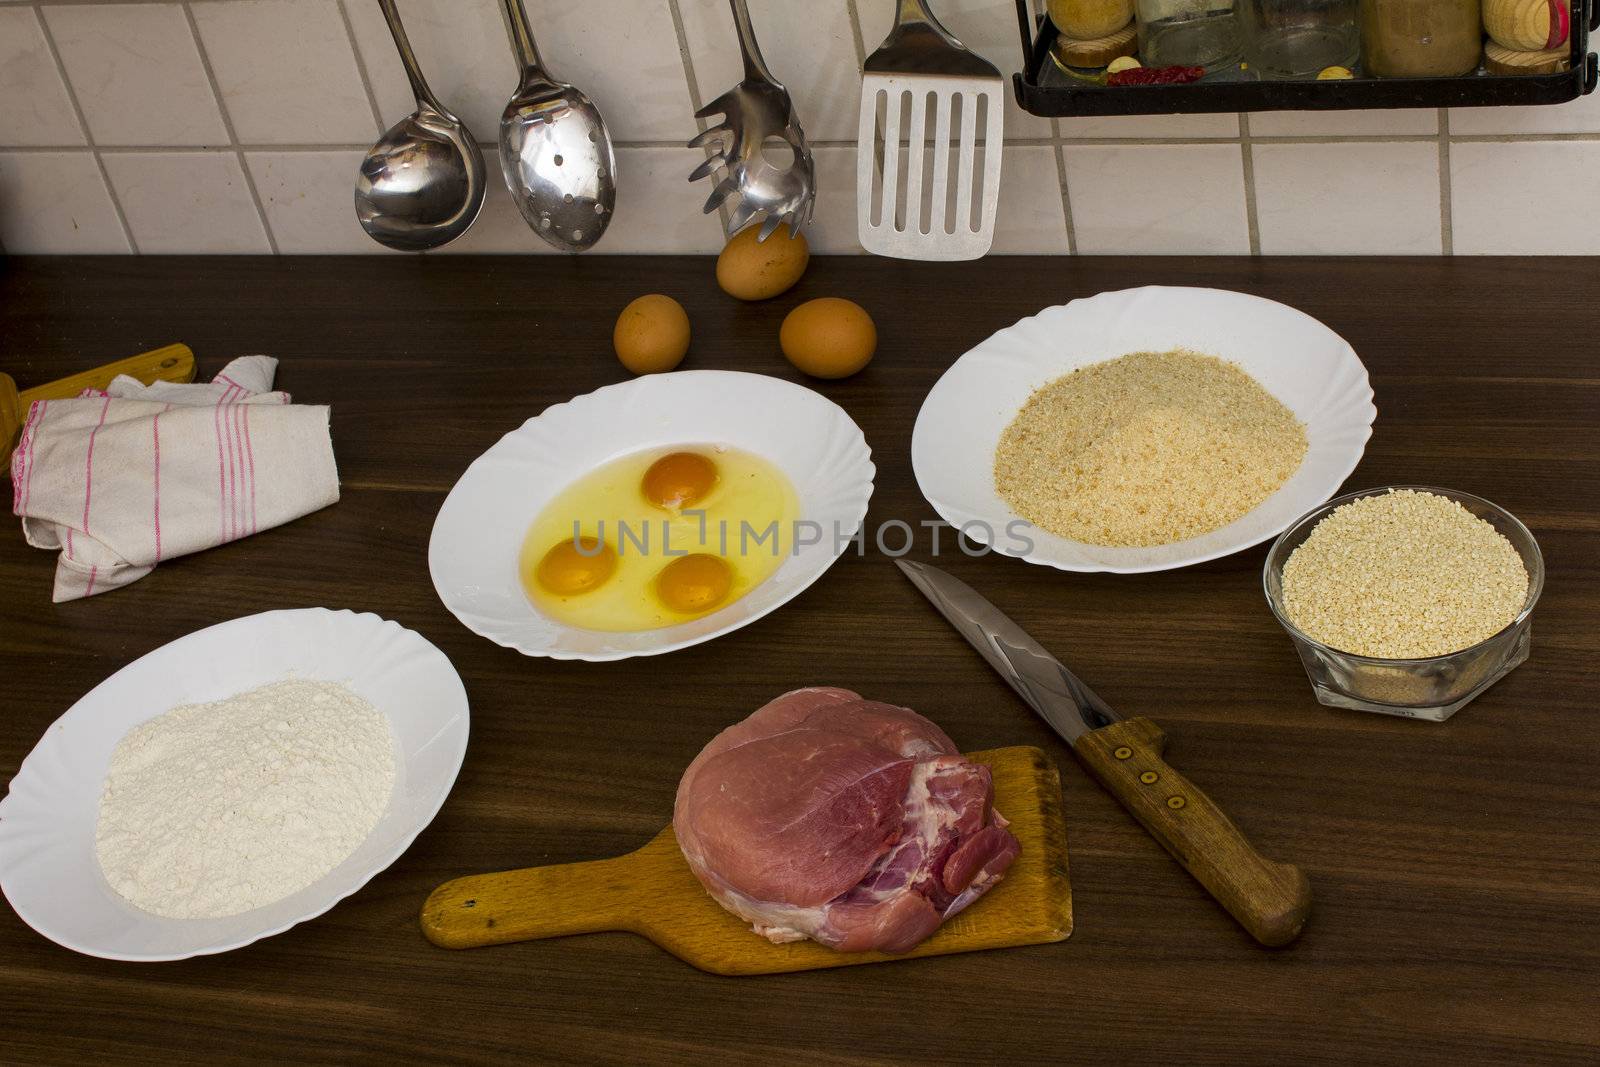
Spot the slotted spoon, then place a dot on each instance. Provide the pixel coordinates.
(554, 151)
(946, 103)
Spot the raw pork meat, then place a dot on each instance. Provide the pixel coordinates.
(855, 823)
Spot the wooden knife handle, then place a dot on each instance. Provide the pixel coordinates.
(1270, 900)
(534, 902)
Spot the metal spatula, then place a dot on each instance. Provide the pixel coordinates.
(944, 101)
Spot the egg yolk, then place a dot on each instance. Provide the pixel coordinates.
(679, 479)
(694, 584)
(574, 567)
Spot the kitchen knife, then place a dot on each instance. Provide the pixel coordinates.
(1270, 900)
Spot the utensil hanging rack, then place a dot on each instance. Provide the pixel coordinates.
(1043, 90)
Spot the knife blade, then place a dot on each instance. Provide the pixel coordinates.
(1270, 900)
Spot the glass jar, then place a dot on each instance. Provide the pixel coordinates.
(1299, 38)
(1086, 20)
(1188, 33)
(1421, 38)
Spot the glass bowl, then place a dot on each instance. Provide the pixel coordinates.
(1434, 688)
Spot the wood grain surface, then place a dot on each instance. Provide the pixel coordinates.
(1456, 865)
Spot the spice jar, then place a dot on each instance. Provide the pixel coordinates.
(1086, 20)
(1298, 38)
(1421, 38)
(1188, 33)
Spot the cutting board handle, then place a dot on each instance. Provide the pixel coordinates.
(535, 902)
(173, 363)
(1271, 900)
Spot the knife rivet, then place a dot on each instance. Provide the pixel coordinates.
(1123, 753)
(1149, 777)
(1176, 802)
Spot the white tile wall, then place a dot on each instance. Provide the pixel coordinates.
(137, 73)
(287, 71)
(624, 55)
(810, 48)
(1158, 199)
(37, 110)
(1362, 197)
(57, 202)
(461, 45)
(1507, 197)
(308, 199)
(237, 126)
(187, 202)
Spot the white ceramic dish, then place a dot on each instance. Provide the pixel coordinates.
(1297, 359)
(472, 554)
(48, 867)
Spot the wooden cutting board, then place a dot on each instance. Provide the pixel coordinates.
(652, 892)
(173, 363)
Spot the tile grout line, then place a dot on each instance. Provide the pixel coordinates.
(1447, 240)
(1012, 142)
(1066, 193)
(227, 125)
(1247, 156)
(692, 83)
(858, 38)
(366, 79)
(1059, 148)
(83, 127)
(361, 67)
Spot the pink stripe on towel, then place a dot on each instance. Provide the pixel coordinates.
(155, 436)
(236, 418)
(222, 480)
(88, 464)
(250, 455)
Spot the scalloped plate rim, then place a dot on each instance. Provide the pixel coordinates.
(29, 768)
(854, 498)
(986, 348)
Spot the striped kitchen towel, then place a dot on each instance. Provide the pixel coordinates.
(120, 480)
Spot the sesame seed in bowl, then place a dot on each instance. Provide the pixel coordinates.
(1406, 600)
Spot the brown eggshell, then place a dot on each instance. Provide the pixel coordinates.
(651, 334)
(759, 270)
(828, 337)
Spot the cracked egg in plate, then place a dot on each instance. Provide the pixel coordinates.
(657, 538)
(722, 496)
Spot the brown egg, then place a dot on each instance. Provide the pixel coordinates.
(828, 337)
(756, 270)
(652, 334)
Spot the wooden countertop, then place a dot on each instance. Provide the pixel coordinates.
(1456, 867)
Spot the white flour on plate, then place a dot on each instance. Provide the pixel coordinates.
(213, 809)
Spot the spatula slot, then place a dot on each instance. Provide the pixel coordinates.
(930, 177)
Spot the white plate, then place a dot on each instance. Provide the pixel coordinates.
(48, 866)
(472, 554)
(1297, 359)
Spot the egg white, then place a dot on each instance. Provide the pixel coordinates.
(747, 519)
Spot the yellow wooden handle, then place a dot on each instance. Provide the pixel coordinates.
(10, 418)
(174, 363)
(535, 902)
(1270, 900)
